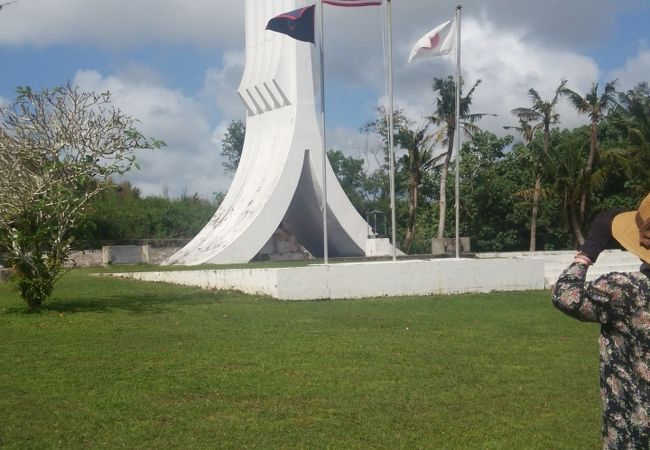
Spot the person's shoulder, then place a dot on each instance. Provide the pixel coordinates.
(636, 277)
(634, 281)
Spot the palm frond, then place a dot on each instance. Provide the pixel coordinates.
(576, 101)
(534, 95)
(558, 91)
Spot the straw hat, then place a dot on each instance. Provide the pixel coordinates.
(632, 230)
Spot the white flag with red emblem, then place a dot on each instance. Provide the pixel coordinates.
(437, 42)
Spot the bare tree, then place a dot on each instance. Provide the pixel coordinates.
(57, 149)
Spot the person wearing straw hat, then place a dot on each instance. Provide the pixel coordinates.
(620, 302)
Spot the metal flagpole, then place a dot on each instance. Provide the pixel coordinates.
(391, 152)
(458, 128)
(322, 124)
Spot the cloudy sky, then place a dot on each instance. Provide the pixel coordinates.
(175, 65)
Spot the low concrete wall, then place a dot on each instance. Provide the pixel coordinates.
(92, 258)
(441, 246)
(556, 261)
(85, 258)
(509, 271)
(125, 254)
(5, 274)
(367, 279)
(158, 254)
(379, 247)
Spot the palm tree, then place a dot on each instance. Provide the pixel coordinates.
(636, 121)
(567, 163)
(445, 117)
(416, 141)
(526, 130)
(542, 115)
(417, 160)
(596, 107)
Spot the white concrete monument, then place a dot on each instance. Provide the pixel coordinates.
(279, 174)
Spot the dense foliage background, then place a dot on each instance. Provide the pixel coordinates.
(535, 164)
(121, 214)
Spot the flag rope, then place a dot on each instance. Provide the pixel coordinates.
(386, 30)
(391, 147)
(458, 130)
(321, 34)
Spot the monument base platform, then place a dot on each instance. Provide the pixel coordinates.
(365, 279)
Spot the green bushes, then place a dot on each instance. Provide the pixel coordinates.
(120, 214)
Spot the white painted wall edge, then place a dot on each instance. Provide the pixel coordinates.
(366, 279)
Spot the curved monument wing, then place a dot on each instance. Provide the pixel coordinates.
(279, 174)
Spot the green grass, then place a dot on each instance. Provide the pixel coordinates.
(111, 363)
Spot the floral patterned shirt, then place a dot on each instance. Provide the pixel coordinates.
(620, 302)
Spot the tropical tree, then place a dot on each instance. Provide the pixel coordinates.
(444, 116)
(636, 123)
(567, 164)
(56, 148)
(414, 144)
(232, 145)
(121, 214)
(595, 106)
(539, 116)
(489, 176)
(525, 129)
(350, 174)
(415, 162)
(377, 156)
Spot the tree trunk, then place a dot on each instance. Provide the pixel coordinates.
(534, 213)
(443, 187)
(413, 205)
(588, 169)
(547, 139)
(575, 226)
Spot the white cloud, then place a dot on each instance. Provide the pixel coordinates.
(220, 22)
(635, 70)
(191, 161)
(220, 86)
(510, 45)
(354, 144)
(120, 23)
(508, 65)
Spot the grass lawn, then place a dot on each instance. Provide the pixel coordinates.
(112, 363)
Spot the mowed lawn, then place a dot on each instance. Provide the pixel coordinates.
(111, 363)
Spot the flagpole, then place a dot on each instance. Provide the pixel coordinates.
(391, 150)
(322, 124)
(458, 129)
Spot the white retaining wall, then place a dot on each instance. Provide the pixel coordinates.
(92, 258)
(5, 274)
(366, 279)
(556, 261)
(510, 271)
(125, 254)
